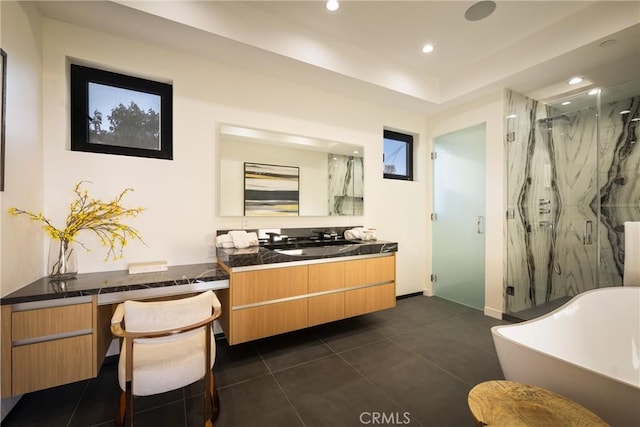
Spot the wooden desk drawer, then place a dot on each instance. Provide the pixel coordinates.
(51, 363)
(50, 321)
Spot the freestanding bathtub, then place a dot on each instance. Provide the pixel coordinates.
(587, 350)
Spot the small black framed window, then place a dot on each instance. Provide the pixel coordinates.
(119, 114)
(398, 155)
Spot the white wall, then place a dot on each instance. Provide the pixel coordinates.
(490, 111)
(179, 195)
(22, 242)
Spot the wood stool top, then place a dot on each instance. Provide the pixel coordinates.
(512, 404)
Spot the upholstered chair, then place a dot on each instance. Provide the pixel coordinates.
(166, 345)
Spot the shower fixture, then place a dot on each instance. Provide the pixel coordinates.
(549, 120)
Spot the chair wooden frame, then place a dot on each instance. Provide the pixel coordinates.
(211, 399)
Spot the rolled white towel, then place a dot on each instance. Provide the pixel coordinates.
(240, 239)
(354, 233)
(253, 238)
(224, 241)
(631, 254)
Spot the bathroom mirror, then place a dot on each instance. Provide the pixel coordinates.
(303, 176)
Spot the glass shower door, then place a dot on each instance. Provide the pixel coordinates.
(459, 226)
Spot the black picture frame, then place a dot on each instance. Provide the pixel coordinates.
(129, 129)
(3, 110)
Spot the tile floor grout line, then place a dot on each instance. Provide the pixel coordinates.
(431, 362)
(75, 408)
(270, 372)
(466, 342)
(184, 404)
(374, 384)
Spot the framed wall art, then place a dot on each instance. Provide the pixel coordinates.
(271, 190)
(119, 114)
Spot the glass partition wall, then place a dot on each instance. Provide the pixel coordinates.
(573, 174)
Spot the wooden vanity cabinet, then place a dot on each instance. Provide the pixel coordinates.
(325, 280)
(270, 301)
(46, 347)
(372, 285)
(267, 302)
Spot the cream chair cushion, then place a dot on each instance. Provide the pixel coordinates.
(166, 363)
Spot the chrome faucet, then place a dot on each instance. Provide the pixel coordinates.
(326, 235)
(277, 237)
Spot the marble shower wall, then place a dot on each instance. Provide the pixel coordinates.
(346, 185)
(553, 206)
(619, 183)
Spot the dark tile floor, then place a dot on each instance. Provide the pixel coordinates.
(410, 365)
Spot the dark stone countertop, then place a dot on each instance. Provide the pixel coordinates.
(259, 255)
(113, 281)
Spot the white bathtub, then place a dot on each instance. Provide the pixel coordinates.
(587, 350)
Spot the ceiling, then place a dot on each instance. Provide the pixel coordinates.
(371, 50)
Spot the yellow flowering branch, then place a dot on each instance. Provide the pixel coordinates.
(103, 218)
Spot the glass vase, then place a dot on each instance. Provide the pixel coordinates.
(63, 260)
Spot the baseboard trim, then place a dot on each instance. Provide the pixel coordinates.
(512, 319)
(493, 313)
(414, 294)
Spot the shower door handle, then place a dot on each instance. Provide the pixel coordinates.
(480, 225)
(588, 230)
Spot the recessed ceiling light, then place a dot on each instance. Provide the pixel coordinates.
(593, 92)
(428, 48)
(333, 5)
(625, 111)
(480, 10)
(575, 80)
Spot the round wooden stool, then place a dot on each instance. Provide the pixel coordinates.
(511, 404)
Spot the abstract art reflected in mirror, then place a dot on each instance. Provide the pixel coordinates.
(271, 190)
(330, 175)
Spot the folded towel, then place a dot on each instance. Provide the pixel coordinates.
(224, 241)
(631, 254)
(354, 233)
(240, 239)
(253, 238)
